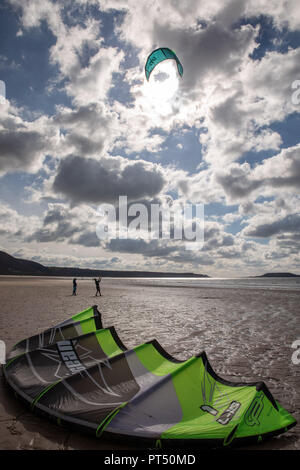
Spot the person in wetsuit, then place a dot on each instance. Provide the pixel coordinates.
(74, 286)
(97, 283)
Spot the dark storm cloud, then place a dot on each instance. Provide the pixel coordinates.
(88, 180)
(18, 150)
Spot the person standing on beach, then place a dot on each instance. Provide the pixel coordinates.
(74, 286)
(97, 283)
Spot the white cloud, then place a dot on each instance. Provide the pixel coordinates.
(91, 84)
(33, 12)
(90, 129)
(273, 176)
(230, 99)
(284, 13)
(15, 226)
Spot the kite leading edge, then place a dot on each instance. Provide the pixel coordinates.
(157, 56)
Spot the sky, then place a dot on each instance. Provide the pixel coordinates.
(80, 126)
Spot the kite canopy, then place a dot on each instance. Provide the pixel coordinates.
(158, 56)
(84, 322)
(81, 374)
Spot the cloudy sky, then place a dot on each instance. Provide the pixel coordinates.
(81, 126)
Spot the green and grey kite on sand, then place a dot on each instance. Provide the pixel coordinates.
(158, 56)
(81, 374)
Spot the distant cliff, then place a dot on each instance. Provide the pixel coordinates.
(15, 266)
(11, 265)
(279, 275)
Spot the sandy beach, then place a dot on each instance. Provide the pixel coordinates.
(247, 333)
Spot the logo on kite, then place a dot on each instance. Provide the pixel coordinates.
(157, 56)
(229, 413)
(254, 410)
(69, 356)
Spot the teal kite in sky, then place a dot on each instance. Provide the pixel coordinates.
(158, 56)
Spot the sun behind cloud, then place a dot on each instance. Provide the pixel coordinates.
(159, 93)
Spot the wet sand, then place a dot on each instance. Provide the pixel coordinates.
(246, 333)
